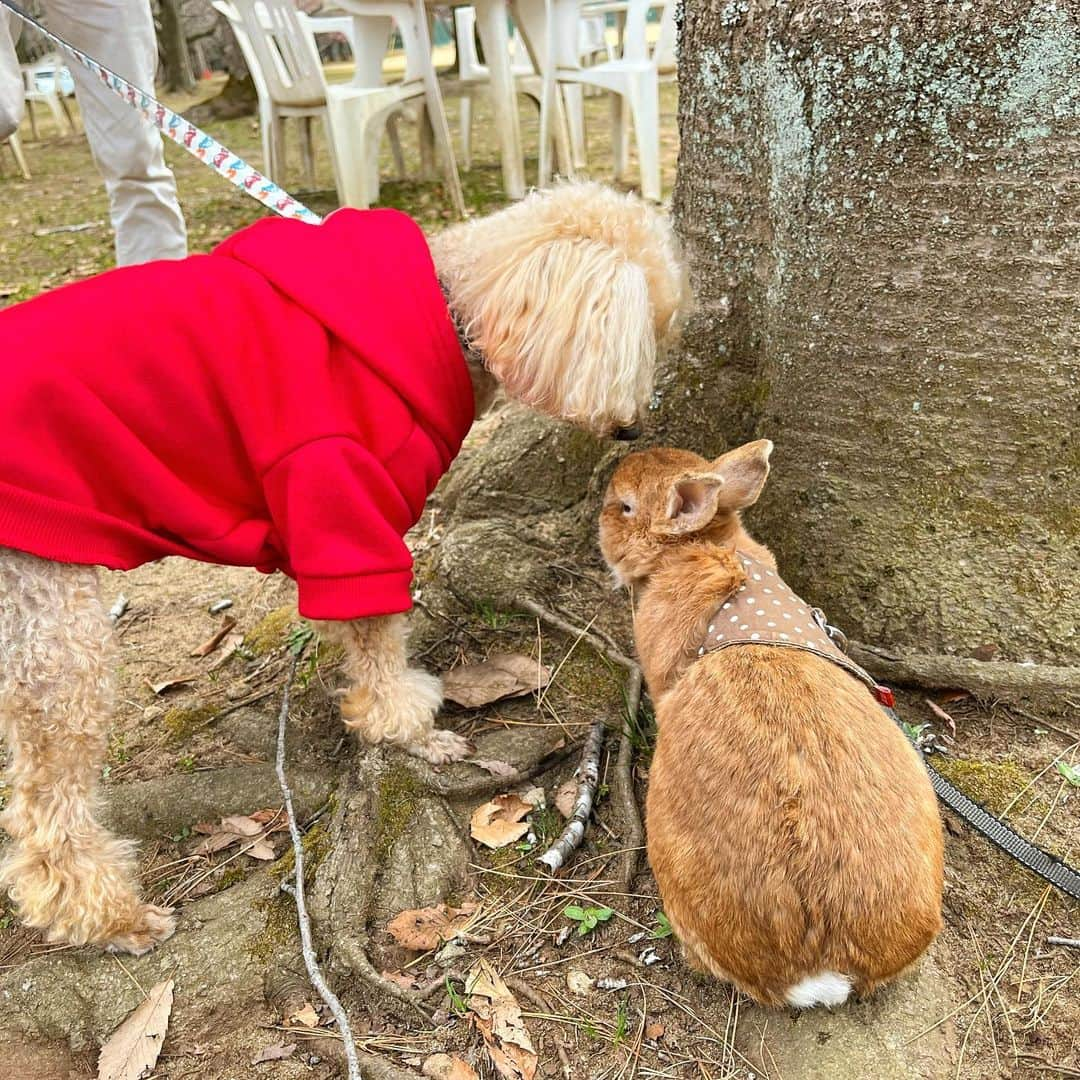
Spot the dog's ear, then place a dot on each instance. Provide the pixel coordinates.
(568, 329)
(744, 471)
(692, 502)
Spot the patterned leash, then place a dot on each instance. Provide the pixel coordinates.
(183, 132)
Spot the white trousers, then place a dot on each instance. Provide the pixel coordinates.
(143, 207)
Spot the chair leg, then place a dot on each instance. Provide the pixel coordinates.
(466, 132)
(68, 113)
(645, 106)
(307, 149)
(395, 144)
(619, 132)
(426, 134)
(573, 103)
(20, 159)
(53, 101)
(33, 119)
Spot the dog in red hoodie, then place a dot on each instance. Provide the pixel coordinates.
(286, 402)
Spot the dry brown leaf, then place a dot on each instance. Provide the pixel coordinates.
(422, 929)
(448, 1067)
(654, 1031)
(566, 797)
(502, 769)
(498, 1017)
(305, 1017)
(211, 643)
(499, 822)
(170, 684)
(274, 1052)
(232, 643)
(131, 1051)
(406, 982)
(501, 675)
(243, 824)
(262, 850)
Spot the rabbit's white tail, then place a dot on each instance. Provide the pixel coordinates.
(825, 988)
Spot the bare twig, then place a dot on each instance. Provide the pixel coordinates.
(594, 637)
(588, 774)
(1067, 942)
(297, 892)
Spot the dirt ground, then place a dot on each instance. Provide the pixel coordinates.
(992, 999)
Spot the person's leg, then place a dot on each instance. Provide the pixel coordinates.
(142, 190)
(11, 84)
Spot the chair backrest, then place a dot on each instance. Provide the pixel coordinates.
(469, 67)
(664, 47)
(635, 39)
(280, 47)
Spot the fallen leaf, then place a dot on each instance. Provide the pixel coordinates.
(502, 675)
(502, 769)
(275, 1052)
(232, 643)
(262, 850)
(654, 1031)
(306, 1017)
(421, 929)
(448, 1067)
(498, 1017)
(170, 684)
(241, 829)
(211, 643)
(578, 982)
(499, 822)
(131, 1052)
(566, 797)
(407, 982)
(953, 695)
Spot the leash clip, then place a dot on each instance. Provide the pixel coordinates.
(834, 633)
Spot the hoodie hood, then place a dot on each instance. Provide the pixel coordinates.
(339, 272)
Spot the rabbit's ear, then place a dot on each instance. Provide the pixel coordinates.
(691, 503)
(744, 471)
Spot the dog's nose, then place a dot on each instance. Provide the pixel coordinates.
(627, 434)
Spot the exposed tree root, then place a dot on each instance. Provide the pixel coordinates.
(622, 788)
(1043, 685)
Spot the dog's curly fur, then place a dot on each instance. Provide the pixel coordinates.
(566, 297)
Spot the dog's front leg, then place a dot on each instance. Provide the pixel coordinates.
(386, 700)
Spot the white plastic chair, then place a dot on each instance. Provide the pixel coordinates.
(15, 143)
(46, 69)
(472, 73)
(278, 45)
(632, 79)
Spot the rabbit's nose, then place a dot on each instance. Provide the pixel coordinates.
(627, 434)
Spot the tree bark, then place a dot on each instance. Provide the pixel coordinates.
(879, 208)
(175, 55)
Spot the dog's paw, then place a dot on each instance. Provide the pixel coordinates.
(441, 747)
(152, 925)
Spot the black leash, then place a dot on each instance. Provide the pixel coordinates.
(1049, 867)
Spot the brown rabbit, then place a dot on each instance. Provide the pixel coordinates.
(792, 828)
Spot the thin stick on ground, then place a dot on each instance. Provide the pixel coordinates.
(588, 774)
(623, 787)
(297, 891)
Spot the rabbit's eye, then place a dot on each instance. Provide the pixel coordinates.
(627, 509)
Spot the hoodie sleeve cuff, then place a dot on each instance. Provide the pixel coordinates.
(360, 597)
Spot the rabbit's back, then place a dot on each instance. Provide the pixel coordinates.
(792, 828)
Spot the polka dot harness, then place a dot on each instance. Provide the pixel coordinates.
(764, 611)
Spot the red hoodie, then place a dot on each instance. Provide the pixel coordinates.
(287, 402)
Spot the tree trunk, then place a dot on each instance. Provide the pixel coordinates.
(175, 55)
(880, 212)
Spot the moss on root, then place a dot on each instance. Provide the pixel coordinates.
(181, 723)
(994, 784)
(399, 792)
(272, 632)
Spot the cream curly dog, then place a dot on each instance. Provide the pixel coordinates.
(562, 300)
